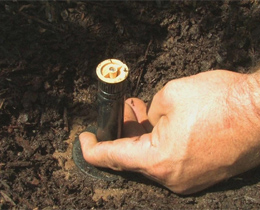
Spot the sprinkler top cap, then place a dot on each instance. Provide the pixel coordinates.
(112, 71)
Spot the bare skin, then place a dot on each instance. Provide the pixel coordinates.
(199, 130)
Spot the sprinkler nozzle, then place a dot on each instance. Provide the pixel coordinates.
(112, 71)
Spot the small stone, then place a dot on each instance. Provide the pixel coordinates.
(23, 118)
(64, 14)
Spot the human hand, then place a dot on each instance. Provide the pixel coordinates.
(205, 129)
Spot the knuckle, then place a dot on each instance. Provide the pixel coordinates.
(160, 168)
(86, 156)
(166, 95)
(181, 189)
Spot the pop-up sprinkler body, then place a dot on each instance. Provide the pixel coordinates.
(112, 75)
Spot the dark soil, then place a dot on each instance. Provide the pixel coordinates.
(48, 55)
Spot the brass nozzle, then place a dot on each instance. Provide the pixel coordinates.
(112, 71)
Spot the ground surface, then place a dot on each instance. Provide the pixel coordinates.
(48, 56)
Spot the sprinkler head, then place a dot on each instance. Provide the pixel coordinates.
(112, 71)
(112, 75)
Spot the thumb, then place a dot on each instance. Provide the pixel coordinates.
(121, 154)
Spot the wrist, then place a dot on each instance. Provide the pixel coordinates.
(247, 92)
(254, 91)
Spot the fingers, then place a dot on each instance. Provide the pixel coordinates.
(125, 153)
(131, 125)
(122, 154)
(139, 108)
